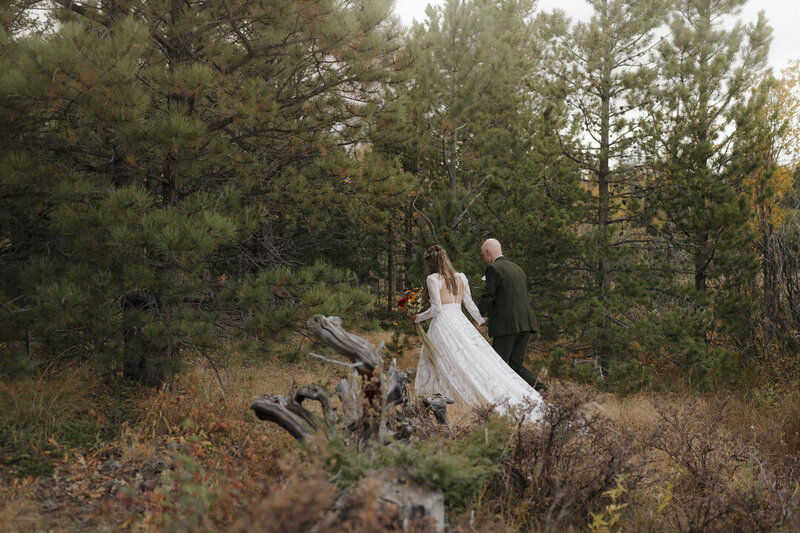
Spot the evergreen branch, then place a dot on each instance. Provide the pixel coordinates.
(475, 194)
(237, 31)
(84, 11)
(568, 154)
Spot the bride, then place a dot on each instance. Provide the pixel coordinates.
(464, 367)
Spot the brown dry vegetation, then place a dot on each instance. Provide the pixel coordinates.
(195, 458)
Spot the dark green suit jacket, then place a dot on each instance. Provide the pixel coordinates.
(506, 301)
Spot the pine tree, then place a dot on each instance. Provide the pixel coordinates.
(605, 67)
(174, 148)
(705, 147)
(535, 212)
(470, 98)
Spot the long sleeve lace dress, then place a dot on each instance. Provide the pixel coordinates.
(467, 369)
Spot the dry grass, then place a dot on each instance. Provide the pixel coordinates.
(19, 508)
(196, 458)
(34, 409)
(719, 461)
(636, 411)
(198, 440)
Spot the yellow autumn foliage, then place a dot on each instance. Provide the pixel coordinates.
(784, 152)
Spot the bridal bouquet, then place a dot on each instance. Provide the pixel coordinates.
(412, 302)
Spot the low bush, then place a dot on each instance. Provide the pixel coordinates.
(460, 463)
(713, 486)
(557, 472)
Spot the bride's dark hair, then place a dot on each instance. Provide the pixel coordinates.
(439, 263)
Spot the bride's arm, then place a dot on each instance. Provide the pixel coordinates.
(433, 296)
(470, 305)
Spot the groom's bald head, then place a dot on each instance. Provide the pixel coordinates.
(491, 250)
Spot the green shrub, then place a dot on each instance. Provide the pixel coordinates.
(461, 467)
(277, 301)
(628, 377)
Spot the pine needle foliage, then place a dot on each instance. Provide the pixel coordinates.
(155, 152)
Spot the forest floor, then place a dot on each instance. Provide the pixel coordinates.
(196, 458)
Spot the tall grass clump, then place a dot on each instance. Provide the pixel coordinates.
(46, 412)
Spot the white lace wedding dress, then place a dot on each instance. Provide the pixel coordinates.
(467, 369)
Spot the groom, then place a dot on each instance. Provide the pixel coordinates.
(508, 307)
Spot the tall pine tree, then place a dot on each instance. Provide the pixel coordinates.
(469, 85)
(705, 145)
(605, 66)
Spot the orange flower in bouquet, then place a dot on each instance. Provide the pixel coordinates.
(412, 301)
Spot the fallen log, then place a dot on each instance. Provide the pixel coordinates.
(358, 349)
(287, 413)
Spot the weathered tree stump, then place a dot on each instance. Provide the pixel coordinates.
(320, 394)
(395, 385)
(376, 409)
(352, 410)
(437, 404)
(407, 504)
(375, 403)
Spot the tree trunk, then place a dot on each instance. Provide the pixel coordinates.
(603, 201)
(409, 249)
(700, 267)
(704, 92)
(178, 52)
(453, 135)
(147, 363)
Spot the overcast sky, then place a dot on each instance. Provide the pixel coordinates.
(783, 16)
